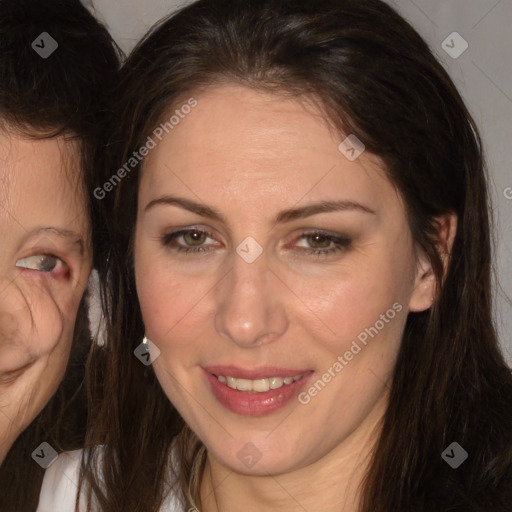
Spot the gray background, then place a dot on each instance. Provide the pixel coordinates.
(483, 74)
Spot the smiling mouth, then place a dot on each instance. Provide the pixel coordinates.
(258, 385)
(270, 389)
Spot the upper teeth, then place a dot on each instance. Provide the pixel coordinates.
(258, 385)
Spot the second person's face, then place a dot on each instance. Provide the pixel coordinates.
(45, 260)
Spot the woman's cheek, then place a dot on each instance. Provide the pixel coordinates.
(162, 314)
(51, 314)
(344, 306)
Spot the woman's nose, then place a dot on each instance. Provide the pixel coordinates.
(250, 308)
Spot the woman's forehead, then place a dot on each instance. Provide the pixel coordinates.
(243, 142)
(40, 178)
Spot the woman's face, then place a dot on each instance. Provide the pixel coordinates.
(263, 252)
(45, 261)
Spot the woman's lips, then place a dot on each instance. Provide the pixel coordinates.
(255, 403)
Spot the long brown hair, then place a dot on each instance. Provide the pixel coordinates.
(375, 77)
(44, 98)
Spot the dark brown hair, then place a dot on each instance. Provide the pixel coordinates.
(63, 94)
(375, 77)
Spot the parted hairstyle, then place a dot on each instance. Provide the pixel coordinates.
(375, 77)
(64, 94)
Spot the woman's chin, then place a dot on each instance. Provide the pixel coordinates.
(256, 457)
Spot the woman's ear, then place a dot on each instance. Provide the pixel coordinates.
(424, 291)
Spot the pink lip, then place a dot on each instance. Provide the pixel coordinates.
(253, 403)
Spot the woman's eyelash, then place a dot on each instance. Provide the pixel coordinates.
(169, 240)
(335, 242)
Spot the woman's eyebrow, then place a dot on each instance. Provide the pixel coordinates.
(72, 238)
(187, 204)
(321, 207)
(282, 217)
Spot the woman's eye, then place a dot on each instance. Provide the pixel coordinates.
(40, 262)
(194, 241)
(323, 244)
(187, 240)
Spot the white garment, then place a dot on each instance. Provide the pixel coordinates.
(60, 487)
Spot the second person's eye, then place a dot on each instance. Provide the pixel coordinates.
(39, 262)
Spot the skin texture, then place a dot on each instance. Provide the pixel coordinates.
(250, 155)
(39, 298)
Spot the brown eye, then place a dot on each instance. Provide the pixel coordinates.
(194, 238)
(188, 241)
(322, 244)
(318, 241)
